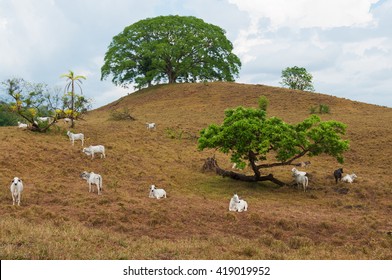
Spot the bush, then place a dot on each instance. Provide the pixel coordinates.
(263, 103)
(121, 115)
(321, 109)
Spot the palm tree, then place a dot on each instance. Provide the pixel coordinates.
(72, 80)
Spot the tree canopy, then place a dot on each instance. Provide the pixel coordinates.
(250, 137)
(170, 49)
(297, 78)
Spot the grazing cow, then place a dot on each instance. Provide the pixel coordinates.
(156, 193)
(99, 149)
(237, 204)
(16, 190)
(349, 178)
(338, 173)
(75, 136)
(92, 178)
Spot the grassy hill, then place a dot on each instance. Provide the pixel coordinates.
(59, 219)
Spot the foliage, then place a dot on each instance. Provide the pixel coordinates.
(72, 80)
(249, 136)
(30, 101)
(321, 109)
(297, 78)
(81, 105)
(263, 103)
(7, 118)
(170, 49)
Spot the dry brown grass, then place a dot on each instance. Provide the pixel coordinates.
(59, 219)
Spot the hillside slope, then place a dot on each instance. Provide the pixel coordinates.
(59, 219)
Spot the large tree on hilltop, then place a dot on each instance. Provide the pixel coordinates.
(250, 137)
(170, 49)
(297, 78)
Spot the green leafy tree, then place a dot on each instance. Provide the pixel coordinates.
(250, 137)
(170, 49)
(72, 81)
(29, 101)
(297, 78)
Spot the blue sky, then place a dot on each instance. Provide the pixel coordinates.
(345, 44)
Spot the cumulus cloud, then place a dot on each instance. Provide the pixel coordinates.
(309, 13)
(345, 44)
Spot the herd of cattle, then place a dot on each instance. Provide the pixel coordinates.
(235, 204)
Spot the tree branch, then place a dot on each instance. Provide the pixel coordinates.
(211, 164)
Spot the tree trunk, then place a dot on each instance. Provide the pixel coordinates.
(211, 164)
(72, 104)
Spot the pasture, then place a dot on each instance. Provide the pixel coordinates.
(59, 218)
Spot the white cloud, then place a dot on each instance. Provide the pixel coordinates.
(309, 13)
(382, 44)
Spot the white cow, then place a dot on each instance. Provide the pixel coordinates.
(301, 180)
(44, 119)
(237, 204)
(92, 178)
(349, 178)
(22, 125)
(99, 149)
(16, 190)
(151, 126)
(75, 136)
(156, 193)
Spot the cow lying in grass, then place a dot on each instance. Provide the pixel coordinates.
(156, 193)
(237, 204)
(151, 126)
(349, 178)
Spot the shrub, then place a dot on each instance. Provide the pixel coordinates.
(121, 115)
(263, 103)
(321, 109)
